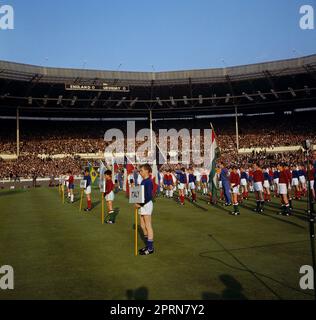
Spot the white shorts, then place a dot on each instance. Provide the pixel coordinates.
(147, 209)
(266, 184)
(243, 182)
(181, 186)
(282, 188)
(88, 190)
(235, 190)
(276, 180)
(302, 179)
(220, 184)
(192, 186)
(258, 186)
(294, 182)
(311, 183)
(110, 196)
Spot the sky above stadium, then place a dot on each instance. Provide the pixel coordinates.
(146, 35)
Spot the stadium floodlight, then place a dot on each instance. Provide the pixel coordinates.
(305, 109)
(227, 98)
(262, 96)
(172, 101)
(133, 102)
(30, 100)
(121, 101)
(292, 91)
(200, 99)
(247, 96)
(45, 100)
(213, 99)
(73, 101)
(60, 98)
(159, 101)
(107, 101)
(275, 94)
(185, 100)
(5, 95)
(95, 99)
(307, 90)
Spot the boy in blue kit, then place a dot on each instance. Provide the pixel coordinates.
(192, 182)
(88, 189)
(145, 210)
(224, 176)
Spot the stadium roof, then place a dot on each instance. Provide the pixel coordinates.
(18, 71)
(265, 87)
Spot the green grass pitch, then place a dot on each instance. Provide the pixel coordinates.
(202, 252)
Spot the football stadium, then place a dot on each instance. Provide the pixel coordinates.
(221, 162)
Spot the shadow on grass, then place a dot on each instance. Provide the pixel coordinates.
(274, 216)
(243, 267)
(233, 290)
(140, 293)
(12, 192)
(113, 215)
(218, 205)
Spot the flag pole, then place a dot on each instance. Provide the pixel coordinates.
(81, 197)
(237, 129)
(136, 232)
(102, 207)
(151, 133)
(63, 192)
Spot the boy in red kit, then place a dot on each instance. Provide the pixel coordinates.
(283, 190)
(258, 180)
(109, 195)
(289, 189)
(235, 182)
(169, 184)
(71, 186)
(244, 183)
(204, 183)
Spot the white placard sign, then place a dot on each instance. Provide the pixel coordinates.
(83, 184)
(137, 194)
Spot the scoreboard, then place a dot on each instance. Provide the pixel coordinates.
(104, 87)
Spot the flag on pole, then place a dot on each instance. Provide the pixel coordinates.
(160, 156)
(154, 177)
(125, 180)
(102, 168)
(155, 174)
(101, 172)
(215, 153)
(93, 173)
(114, 169)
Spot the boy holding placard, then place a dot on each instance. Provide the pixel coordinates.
(87, 190)
(109, 195)
(146, 209)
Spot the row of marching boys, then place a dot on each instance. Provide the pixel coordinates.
(284, 181)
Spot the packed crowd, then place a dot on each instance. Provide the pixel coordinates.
(28, 167)
(50, 138)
